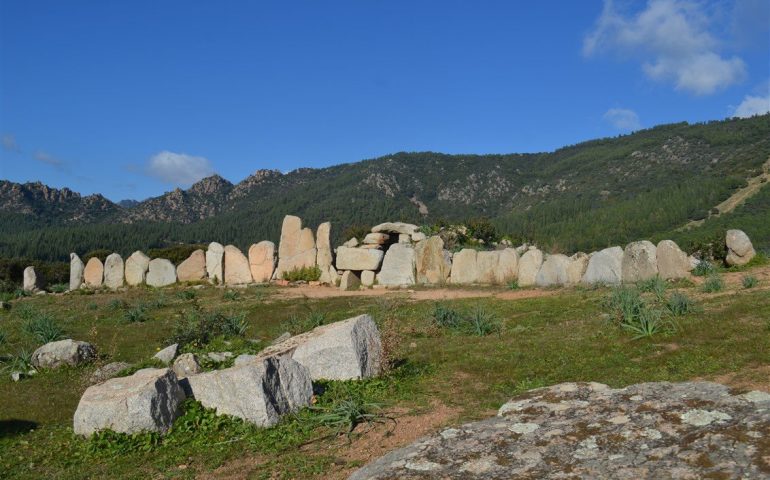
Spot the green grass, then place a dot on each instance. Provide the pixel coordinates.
(713, 284)
(749, 281)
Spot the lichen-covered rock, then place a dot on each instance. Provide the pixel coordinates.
(161, 272)
(214, 263)
(740, 251)
(113, 271)
(148, 400)
(432, 263)
(672, 261)
(398, 266)
(237, 269)
(639, 262)
(553, 271)
(262, 261)
(193, 268)
(529, 266)
(358, 259)
(605, 267)
(63, 352)
(347, 350)
(76, 271)
(136, 268)
(93, 274)
(260, 391)
(587, 430)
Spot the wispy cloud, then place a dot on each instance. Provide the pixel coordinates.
(178, 168)
(49, 159)
(673, 40)
(622, 119)
(9, 143)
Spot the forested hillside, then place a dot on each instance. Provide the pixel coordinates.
(609, 191)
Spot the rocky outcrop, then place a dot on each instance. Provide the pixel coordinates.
(193, 268)
(93, 274)
(587, 430)
(740, 251)
(433, 264)
(297, 247)
(136, 268)
(63, 352)
(214, 263)
(672, 262)
(113, 271)
(605, 267)
(161, 273)
(359, 259)
(262, 261)
(529, 266)
(260, 391)
(398, 266)
(237, 268)
(31, 281)
(639, 262)
(346, 350)
(148, 400)
(76, 271)
(553, 271)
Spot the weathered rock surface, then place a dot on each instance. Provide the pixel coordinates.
(464, 267)
(639, 261)
(398, 266)
(376, 238)
(740, 251)
(358, 258)
(167, 354)
(578, 263)
(76, 271)
(367, 278)
(352, 243)
(93, 274)
(529, 266)
(148, 400)
(161, 273)
(587, 431)
(328, 275)
(31, 282)
(323, 246)
(396, 227)
(113, 271)
(346, 350)
(262, 261)
(349, 281)
(237, 270)
(193, 268)
(418, 237)
(553, 271)
(259, 392)
(496, 267)
(215, 263)
(107, 371)
(136, 268)
(672, 261)
(186, 365)
(63, 352)
(432, 262)
(297, 247)
(605, 267)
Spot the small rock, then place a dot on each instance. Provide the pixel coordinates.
(63, 352)
(186, 365)
(219, 357)
(167, 354)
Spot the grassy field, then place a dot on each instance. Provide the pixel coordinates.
(449, 361)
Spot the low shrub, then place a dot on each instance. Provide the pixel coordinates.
(308, 274)
(513, 285)
(624, 303)
(117, 304)
(750, 281)
(297, 324)
(680, 304)
(646, 323)
(482, 323)
(446, 317)
(704, 268)
(137, 314)
(20, 362)
(231, 295)
(713, 284)
(58, 288)
(199, 328)
(43, 328)
(657, 286)
(186, 294)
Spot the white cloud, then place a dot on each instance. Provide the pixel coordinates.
(47, 158)
(622, 119)
(178, 168)
(752, 105)
(672, 39)
(9, 143)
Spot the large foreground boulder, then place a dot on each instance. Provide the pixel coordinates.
(237, 269)
(193, 268)
(93, 274)
(605, 267)
(529, 266)
(259, 391)
(346, 350)
(63, 352)
(359, 259)
(262, 261)
(76, 271)
(740, 251)
(136, 268)
(398, 266)
(161, 273)
(672, 261)
(113, 271)
(214, 264)
(587, 430)
(148, 400)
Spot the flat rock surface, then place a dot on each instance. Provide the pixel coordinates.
(587, 430)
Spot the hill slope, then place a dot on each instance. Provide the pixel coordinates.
(584, 196)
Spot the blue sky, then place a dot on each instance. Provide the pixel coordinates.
(131, 99)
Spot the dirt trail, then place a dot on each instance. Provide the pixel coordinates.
(305, 291)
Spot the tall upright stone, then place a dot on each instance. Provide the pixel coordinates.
(297, 248)
(432, 262)
(214, 255)
(237, 270)
(323, 245)
(529, 266)
(553, 271)
(639, 261)
(464, 267)
(507, 268)
(672, 262)
(113, 271)
(605, 267)
(161, 273)
(93, 274)
(31, 280)
(76, 271)
(578, 263)
(262, 261)
(193, 268)
(398, 266)
(136, 268)
(740, 251)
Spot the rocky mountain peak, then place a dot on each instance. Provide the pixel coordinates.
(212, 185)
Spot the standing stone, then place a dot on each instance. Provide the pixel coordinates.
(262, 261)
(507, 266)
(398, 266)
(553, 271)
(31, 282)
(76, 271)
(740, 251)
(193, 269)
(214, 255)
(358, 258)
(464, 267)
(324, 246)
(136, 268)
(161, 273)
(578, 263)
(672, 262)
(639, 261)
(237, 269)
(297, 247)
(93, 275)
(432, 265)
(529, 266)
(349, 281)
(605, 267)
(367, 278)
(113, 271)
(328, 275)
(148, 400)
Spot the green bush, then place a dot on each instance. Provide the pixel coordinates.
(200, 328)
(231, 295)
(186, 294)
(58, 288)
(750, 281)
(175, 254)
(446, 317)
(20, 362)
(680, 304)
(43, 328)
(624, 303)
(631, 313)
(704, 268)
(137, 314)
(513, 285)
(117, 304)
(482, 323)
(297, 324)
(713, 284)
(308, 274)
(656, 286)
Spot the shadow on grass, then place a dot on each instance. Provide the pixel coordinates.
(9, 428)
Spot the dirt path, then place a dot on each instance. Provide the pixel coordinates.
(305, 291)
